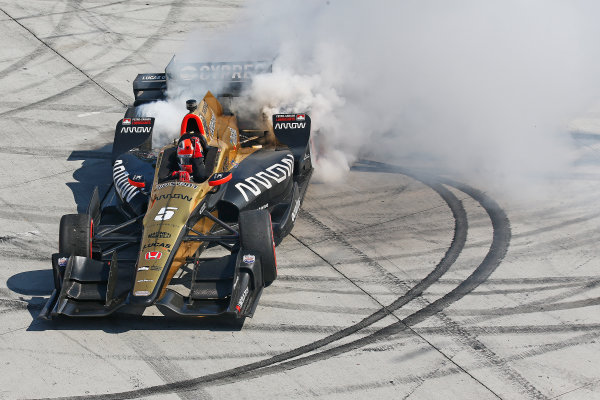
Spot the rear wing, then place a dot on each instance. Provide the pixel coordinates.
(149, 87)
(221, 78)
(132, 133)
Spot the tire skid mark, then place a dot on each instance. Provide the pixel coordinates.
(41, 49)
(98, 355)
(89, 77)
(145, 357)
(386, 277)
(552, 303)
(67, 108)
(532, 289)
(287, 288)
(525, 309)
(50, 99)
(548, 280)
(498, 249)
(281, 361)
(164, 367)
(174, 10)
(317, 307)
(72, 11)
(519, 329)
(56, 153)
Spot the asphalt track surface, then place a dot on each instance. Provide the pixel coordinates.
(396, 283)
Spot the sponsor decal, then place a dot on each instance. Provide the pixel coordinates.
(234, 164)
(143, 268)
(121, 178)
(211, 126)
(296, 209)
(290, 125)
(153, 255)
(202, 208)
(240, 303)
(136, 129)
(141, 293)
(126, 121)
(232, 136)
(62, 262)
(165, 213)
(156, 244)
(176, 183)
(142, 121)
(159, 235)
(204, 107)
(153, 77)
(226, 162)
(230, 71)
(145, 280)
(254, 185)
(249, 258)
(155, 268)
(173, 196)
(300, 117)
(285, 119)
(263, 206)
(306, 157)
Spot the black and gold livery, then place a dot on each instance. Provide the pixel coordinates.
(143, 242)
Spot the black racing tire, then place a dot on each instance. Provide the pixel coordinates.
(256, 233)
(75, 235)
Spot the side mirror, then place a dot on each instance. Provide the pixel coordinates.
(220, 178)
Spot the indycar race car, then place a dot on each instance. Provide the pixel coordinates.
(144, 242)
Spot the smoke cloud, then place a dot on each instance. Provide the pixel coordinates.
(482, 89)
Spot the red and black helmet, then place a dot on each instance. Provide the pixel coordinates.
(188, 149)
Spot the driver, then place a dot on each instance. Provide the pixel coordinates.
(187, 163)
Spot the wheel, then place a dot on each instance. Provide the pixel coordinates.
(75, 236)
(256, 233)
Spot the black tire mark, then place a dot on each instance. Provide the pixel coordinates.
(172, 14)
(499, 247)
(162, 365)
(520, 329)
(268, 365)
(40, 50)
(89, 78)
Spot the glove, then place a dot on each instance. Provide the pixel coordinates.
(182, 176)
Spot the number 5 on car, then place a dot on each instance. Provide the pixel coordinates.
(165, 213)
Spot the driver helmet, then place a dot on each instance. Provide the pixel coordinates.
(186, 151)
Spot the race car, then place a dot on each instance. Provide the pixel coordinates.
(143, 243)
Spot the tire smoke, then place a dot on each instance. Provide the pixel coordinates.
(486, 90)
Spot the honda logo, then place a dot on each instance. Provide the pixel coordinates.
(153, 255)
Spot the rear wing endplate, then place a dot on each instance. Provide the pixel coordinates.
(132, 133)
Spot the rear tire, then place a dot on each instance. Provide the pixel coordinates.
(256, 233)
(75, 235)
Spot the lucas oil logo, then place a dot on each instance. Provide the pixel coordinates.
(276, 173)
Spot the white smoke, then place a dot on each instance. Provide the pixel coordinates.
(483, 89)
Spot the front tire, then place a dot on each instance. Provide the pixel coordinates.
(75, 235)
